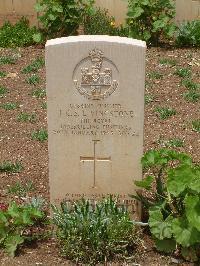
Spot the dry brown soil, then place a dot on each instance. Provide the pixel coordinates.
(16, 143)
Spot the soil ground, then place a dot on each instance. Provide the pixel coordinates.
(163, 89)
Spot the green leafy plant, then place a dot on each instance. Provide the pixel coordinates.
(25, 117)
(3, 91)
(148, 98)
(3, 74)
(183, 72)
(9, 106)
(151, 20)
(189, 84)
(168, 61)
(7, 60)
(39, 93)
(16, 222)
(10, 167)
(21, 189)
(40, 135)
(100, 23)
(165, 112)
(44, 105)
(34, 66)
(62, 18)
(92, 233)
(196, 125)
(176, 142)
(173, 202)
(17, 35)
(33, 80)
(192, 96)
(155, 75)
(188, 34)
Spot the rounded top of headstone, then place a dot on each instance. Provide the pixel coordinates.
(96, 38)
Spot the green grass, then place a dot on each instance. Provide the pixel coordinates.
(189, 84)
(176, 142)
(155, 75)
(148, 98)
(40, 135)
(39, 93)
(21, 190)
(183, 72)
(7, 60)
(3, 91)
(10, 106)
(44, 105)
(192, 96)
(33, 80)
(34, 66)
(196, 125)
(165, 112)
(3, 74)
(26, 117)
(168, 61)
(10, 167)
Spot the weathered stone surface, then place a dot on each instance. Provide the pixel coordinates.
(95, 89)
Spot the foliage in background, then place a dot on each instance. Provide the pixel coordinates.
(62, 18)
(16, 222)
(91, 234)
(188, 34)
(17, 35)
(151, 20)
(101, 23)
(173, 201)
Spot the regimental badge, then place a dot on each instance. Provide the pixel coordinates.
(93, 76)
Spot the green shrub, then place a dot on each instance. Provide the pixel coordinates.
(40, 135)
(100, 23)
(91, 234)
(17, 35)
(172, 197)
(151, 20)
(165, 112)
(62, 18)
(16, 223)
(188, 34)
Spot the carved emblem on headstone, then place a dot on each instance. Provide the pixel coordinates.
(92, 79)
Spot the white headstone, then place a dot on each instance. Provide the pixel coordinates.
(95, 89)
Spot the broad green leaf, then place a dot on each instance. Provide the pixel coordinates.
(179, 179)
(37, 37)
(159, 227)
(13, 210)
(11, 243)
(145, 183)
(147, 35)
(38, 7)
(184, 234)
(52, 17)
(3, 233)
(195, 184)
(158, 24)
(192, 207)
(136, 12)
(57, 8)
(166, 245)
(3, 218)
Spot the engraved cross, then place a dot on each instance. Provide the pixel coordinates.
(94, 159)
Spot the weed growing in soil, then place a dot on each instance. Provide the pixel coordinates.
(10, 106)
(189, 84)
(10, 167)
(21, 190)
(183, 72)
(148, 98)
(165, 112)
(25, 117)
(7, 60)
(3, 74)
(196, 125)
(44, 105)
(155, 75)
(176, 142)
(3, 91)
(192, 96)
(40, 135)
(39, 93)
(33, 80)
(168, 61)
(34, 66)
(91, 233)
